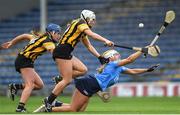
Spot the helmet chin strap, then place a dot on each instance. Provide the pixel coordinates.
(85, 19)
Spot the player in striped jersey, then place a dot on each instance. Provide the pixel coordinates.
(69, 66)
(24, 62)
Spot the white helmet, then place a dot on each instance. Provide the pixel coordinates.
(88, 14)
(109, 53)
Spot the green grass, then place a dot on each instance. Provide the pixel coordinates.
(138, 105)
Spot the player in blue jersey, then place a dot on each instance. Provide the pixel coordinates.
(108, 75)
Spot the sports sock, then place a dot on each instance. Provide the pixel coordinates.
(51, 98)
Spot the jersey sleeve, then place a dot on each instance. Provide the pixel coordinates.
(116, 63)
(83, 27)
(48, 44)
(123, 68)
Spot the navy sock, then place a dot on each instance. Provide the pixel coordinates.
(51, 98)
(18, 86)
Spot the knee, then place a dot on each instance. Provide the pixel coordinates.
(85, 70)
(40, 85)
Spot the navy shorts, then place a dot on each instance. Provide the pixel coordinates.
(87, 85)
(23, 62)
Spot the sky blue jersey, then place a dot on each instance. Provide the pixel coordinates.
(110, 75)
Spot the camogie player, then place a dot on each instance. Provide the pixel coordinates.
(69, 66)
(109, 75)
(24, 62)
(34, 33)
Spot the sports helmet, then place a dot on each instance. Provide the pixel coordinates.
(88, 14)
(53, 27)
(110, 53)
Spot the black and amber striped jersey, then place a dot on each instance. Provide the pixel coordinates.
(37, 47)
(74, 32)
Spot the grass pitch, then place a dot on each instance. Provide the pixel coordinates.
(128, 105)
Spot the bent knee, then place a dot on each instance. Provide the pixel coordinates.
(85, 70)
(40, 86)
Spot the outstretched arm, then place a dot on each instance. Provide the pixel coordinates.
(135, 71)
(130, 59)
(17, 39)
(139, 71)
(98, 37)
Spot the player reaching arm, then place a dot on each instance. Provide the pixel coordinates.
(16, 40)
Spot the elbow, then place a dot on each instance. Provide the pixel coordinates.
(133, 73)
(95, 36)
(130, 60)
(50, 50)
(89, 47)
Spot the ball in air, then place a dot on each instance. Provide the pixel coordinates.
(141, 25)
